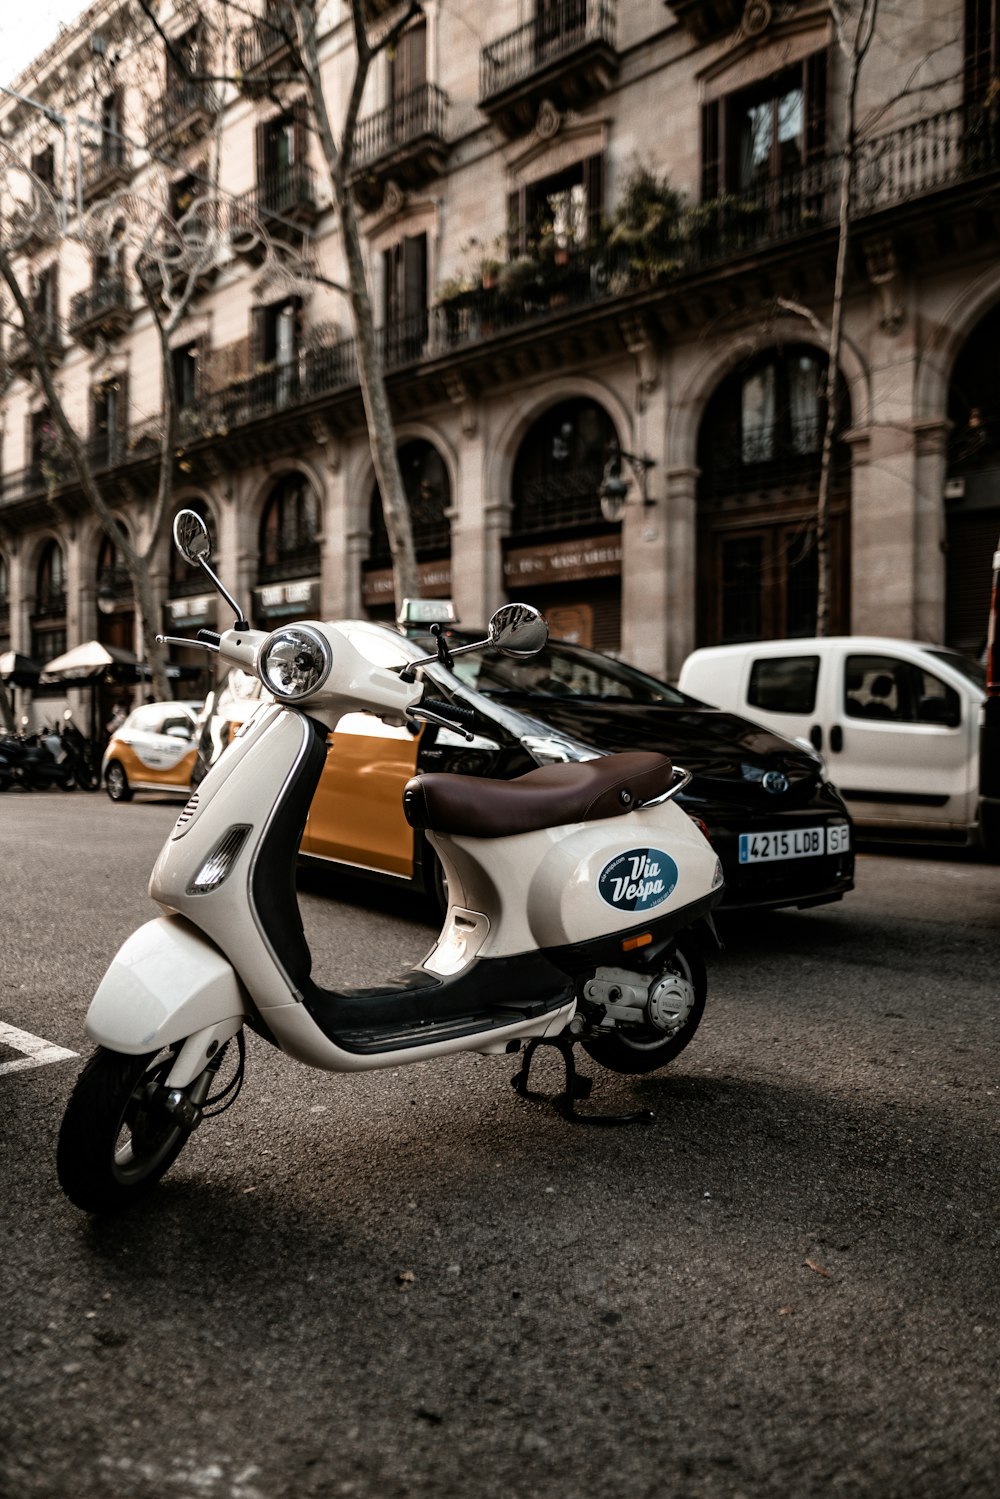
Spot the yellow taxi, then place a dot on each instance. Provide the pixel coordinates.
(155, 749)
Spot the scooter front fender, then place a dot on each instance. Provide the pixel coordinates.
(165, 983)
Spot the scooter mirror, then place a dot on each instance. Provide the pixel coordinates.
(191, 537)
(518, 630)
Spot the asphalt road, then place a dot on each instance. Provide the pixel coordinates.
(417, 1283)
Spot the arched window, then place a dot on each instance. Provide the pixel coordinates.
(48, 621)
(759, 459)
(185, 579)
(114, 585)
(50, 581)
(428, 495)
(559, 469)
(289, 531)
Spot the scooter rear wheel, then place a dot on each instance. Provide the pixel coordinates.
(644, 1048)
(116, 1139)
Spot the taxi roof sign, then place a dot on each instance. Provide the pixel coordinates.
(426, 612)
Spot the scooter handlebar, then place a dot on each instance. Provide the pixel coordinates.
(455, 711)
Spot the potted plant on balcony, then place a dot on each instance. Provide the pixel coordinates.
(645, 231)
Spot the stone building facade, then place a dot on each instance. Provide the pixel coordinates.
(601, 243)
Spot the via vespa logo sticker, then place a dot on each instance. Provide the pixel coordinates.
(637, 880)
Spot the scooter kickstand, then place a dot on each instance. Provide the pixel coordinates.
(576, 1087)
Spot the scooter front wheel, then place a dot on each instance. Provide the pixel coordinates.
(643, 1048)
(117, 1139)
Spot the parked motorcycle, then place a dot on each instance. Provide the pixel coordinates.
(573, 891)
(36, 761)
(80, 754)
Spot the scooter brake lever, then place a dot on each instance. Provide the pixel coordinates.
(440, 720)
(206, 645)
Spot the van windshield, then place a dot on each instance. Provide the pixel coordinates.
(965, 664)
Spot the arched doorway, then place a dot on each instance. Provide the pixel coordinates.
(972, 488)
(48, 617)
(561, 554)
(288, 571)
(759, 458)
(115, 624)
(428, 495)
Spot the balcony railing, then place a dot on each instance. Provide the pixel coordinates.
(263, 41)
(944, 151)
(554, 34)
(104, 167)
(185, 107)
(104, 305)
(49, 334)
(289, 193)
(404, 122)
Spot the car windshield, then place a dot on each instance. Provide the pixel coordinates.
(564, 671)
(965, 664)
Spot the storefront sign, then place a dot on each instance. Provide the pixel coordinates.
(190, 614)
(562, 562)
(435, 582)
(298, 600)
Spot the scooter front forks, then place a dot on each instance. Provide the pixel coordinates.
(577, 1087)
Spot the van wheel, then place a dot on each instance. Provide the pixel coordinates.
(116, 782)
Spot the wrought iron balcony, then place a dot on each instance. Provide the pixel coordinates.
(183, 113)
(937, 172)
(285, 201)
(405, 142)
(105, 168)
(101, 311)
(263, 51)
(49, 334)
(566, 55)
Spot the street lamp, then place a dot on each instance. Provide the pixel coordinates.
(106, 598)
(614, 486)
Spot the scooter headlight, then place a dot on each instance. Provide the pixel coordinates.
(294, 662)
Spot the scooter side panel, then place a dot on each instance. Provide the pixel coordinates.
(165, 983)
(545, 888)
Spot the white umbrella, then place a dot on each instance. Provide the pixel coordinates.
(91, 659)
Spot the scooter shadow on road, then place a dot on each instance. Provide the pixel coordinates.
(760, 1160)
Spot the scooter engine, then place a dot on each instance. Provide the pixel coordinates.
(617, 996)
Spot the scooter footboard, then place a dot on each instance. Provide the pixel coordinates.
(165, 983)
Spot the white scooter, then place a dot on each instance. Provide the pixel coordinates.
(572, 891)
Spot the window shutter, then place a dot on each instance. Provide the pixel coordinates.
(814, 84)
(258, 337)
(593, 184)
(711, 156)
(390, 261)
(414, 276)
(301, 132)
(261, 148)
(516, 228)
(122, 434)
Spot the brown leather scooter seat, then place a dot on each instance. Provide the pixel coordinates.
(581, 791)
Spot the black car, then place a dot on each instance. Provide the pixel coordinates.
(781, 830)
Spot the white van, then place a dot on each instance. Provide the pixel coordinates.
(896, 720)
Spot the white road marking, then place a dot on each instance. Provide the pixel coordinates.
(38, 1051)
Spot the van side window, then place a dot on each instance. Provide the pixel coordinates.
(883, 687)
(784, 684)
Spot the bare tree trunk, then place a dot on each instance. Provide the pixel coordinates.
(135, 562)
(855, 51)
(371, 366)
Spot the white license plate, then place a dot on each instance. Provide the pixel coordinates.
(794, 843)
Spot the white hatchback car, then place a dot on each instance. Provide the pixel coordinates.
(897, 720)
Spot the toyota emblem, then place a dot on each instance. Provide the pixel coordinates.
(776, 782)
